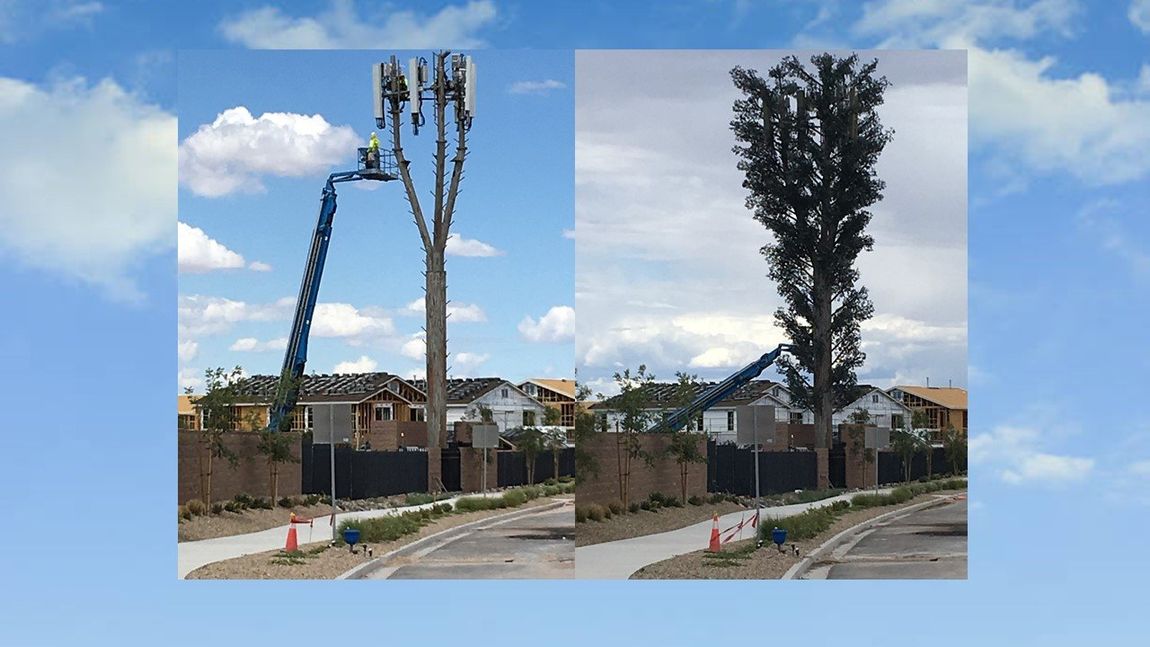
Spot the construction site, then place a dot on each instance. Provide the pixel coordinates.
(382, 461)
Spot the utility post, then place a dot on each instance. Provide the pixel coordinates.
(451, 84)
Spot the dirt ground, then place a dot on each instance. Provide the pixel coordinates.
(740, 561)
(645, 522)
(225, 524)
(321, 562)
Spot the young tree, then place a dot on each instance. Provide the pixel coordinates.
(586, 427)
(554, 441)
(683, 447)
(219, 413)
(809, 166)
(530, 442)
(919, 421)
(954, 444)
(276, 448)
(447, 88)
(905, 443)
(634, 417)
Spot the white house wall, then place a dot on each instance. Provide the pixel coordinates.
(507, 412)
(880, 411)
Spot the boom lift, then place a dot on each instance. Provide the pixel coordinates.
(378, 166)
(709, 398)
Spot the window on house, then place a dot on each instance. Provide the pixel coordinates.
(528, 418)
(896, 421)
(382, 412)
(730, 421)
(699, 422)
(796, 417)
(417, 414)
(602, 421)
(874, 397)
(504, 393)
(775, 391)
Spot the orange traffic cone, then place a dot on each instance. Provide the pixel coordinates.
(292, 543)
(714, 547)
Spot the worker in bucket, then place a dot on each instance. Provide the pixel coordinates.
(373, 152)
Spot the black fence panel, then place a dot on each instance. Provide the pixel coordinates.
(731, 469)
(890, 466)
(450, 464)
(513, 466)
(363, 475)
(837, 466)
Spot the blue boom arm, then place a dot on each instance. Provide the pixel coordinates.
(679, 418)
(287, 390)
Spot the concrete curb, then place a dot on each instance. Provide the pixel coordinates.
(796, 571)
(444, 536)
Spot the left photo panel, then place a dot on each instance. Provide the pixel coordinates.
(376, 322)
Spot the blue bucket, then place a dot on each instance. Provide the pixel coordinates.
(351, 536)
(779, 536)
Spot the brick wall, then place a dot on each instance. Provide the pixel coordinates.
(859, 473)
(471, 469)
(661, 476)
(250, 475)
(390, 435)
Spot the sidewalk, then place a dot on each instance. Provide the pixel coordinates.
(194, 554)
(617, 560)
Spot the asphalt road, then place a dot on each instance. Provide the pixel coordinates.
(928, 544)
(535, 546)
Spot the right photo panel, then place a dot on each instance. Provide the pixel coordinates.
(771, 347)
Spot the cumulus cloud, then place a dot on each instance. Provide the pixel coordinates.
(536, 87)
(346, 321)
(26, 20)
(190, 379)
(235, 151)
(251, 344)
(113, 136)
(198, 253)
(459, 246)
(463, 364)
(342, 26)
(415, 347)
(199, 315)
(1018, 457)
(1139, 15)
(187, 350)
(556, 326)
(457, 312)
(364, 364)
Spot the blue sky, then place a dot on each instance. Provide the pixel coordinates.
(510, 263)
(1059, 271)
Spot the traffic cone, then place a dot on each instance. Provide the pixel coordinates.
(715, 546)
(292, 543)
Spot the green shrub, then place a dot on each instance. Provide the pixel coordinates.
(840, 506)
(286, 502)
(185, 513)
(800, 526)
(657, 499)
(595, 512)
(514, 498)
(196, 507)
(217, 508)
(673, 502)
(417, 498)
(532, 491)
(387, 528)
(242, 500)
(550, 481)
(694, 499)
(716, 498)
(474, 504)
(232, 506)
(646, 505)
(634, 507)
(552, 490)
(580, 514)
(615, 507)
(313, 499)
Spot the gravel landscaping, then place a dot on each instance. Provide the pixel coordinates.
(741, 561)
(319, 561)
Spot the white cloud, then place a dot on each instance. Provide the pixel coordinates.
(25, 20)
(1139, 15)
(258, 266)
(912, 23)
(1017, 455)
(342, 27)
(536, 87)
(199, 315)
(198, 253)
(459, 246)
(187, 350)
(113, 137)
(364, 364)
(251, 344)
(464, 363)
(415, 347)
(457, 312)
(713, 358)
(233, 152)
(347, 321)
(569, 234)
(556, 326)
(190, 379)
